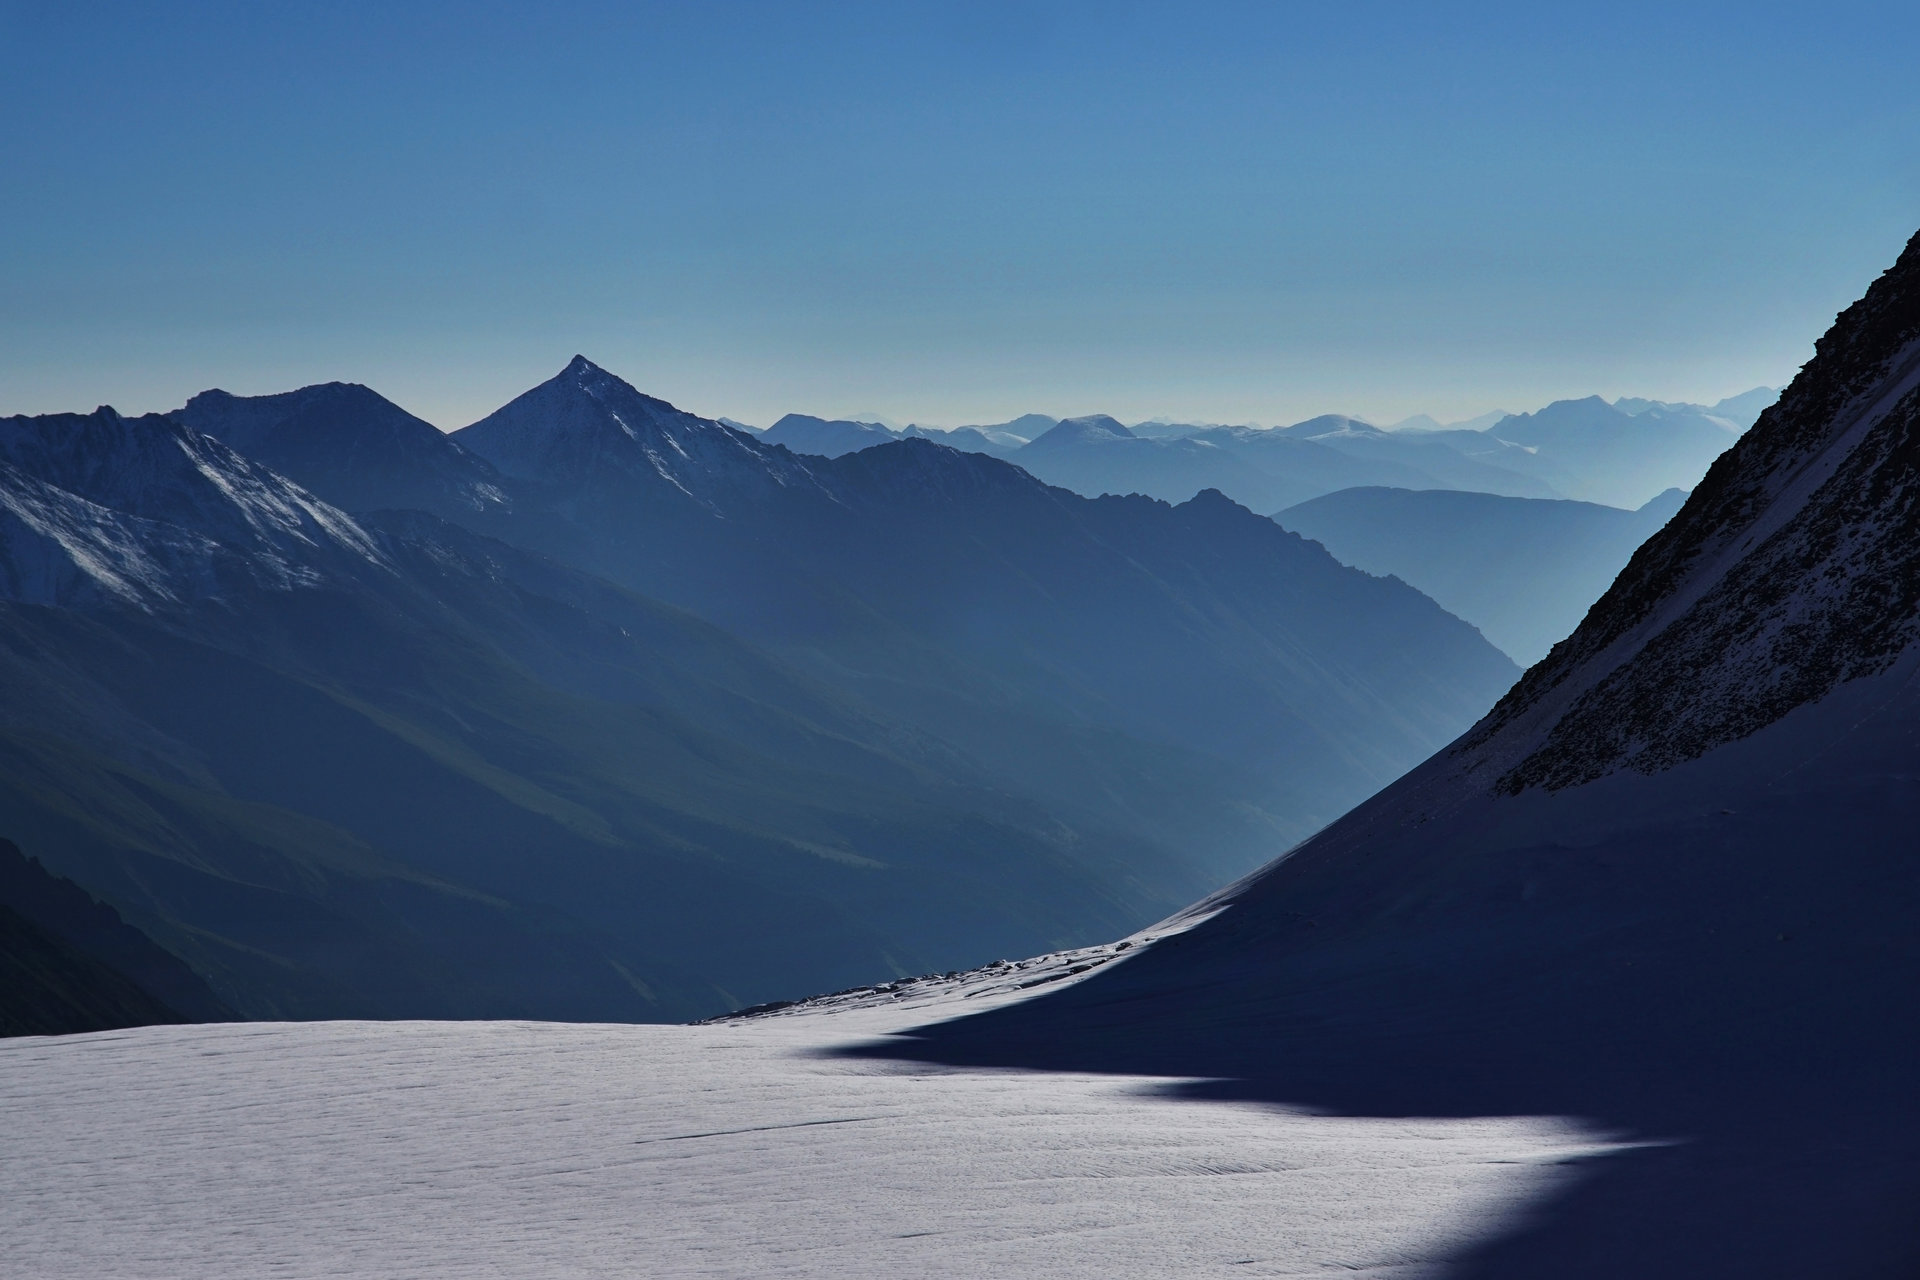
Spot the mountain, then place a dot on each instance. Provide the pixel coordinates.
(1095, 454)
(72, 964)
(1417, 462)
(1423, 422)
(1622, 454)
(386, 767)
(684, 721)
(991, 441)
(353, 444)
(100, 508)
(1743, 409)
(587, 431)
(1737, 411)
(1159, 429)
(961, 595)
(1263, 469)
(1523, 570)
(1588, 449)
(1021, 430)
(828, 439)
(1666, 885)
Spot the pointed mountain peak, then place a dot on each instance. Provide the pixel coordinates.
(588, 427)
(580, 365)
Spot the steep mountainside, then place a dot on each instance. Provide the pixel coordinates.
(1523, 570)
(1667, 885)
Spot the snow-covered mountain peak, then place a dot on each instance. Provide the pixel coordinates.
(1794, 567)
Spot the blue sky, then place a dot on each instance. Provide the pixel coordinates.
(945, 212)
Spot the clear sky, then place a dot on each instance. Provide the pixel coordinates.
(945, 212)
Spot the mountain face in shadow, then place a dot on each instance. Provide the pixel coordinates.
(69, 963)
(354, 445)
(1523, 570)
(621, 713)
(1666, 886)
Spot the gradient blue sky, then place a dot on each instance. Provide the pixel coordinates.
(945, 212)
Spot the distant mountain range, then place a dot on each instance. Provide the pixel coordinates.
(1622, 454)
(1523, 570)
(598, 709)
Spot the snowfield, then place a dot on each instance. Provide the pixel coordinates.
(734, 1149)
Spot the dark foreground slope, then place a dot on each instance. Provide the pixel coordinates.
(1668, 885)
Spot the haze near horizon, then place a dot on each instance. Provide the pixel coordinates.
(944, 213)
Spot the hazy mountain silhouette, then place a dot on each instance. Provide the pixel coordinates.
(1096, 455)
(1620, 454)
(1590, 450)
(1389, 459)
(827, 439)
(1666, 886)
(1523, 570)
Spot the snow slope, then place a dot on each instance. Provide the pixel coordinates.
(746, 1148)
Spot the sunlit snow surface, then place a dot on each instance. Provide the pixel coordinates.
(739, 1149)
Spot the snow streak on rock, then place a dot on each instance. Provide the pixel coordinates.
(145, 511)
